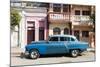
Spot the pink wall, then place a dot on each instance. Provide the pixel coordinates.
(39, 22)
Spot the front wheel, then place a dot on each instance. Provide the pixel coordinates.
(74, 53)
(34, 54)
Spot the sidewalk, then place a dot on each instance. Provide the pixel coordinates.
(91, 49)
(16, 51)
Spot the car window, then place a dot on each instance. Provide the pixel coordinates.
(64, 38)
(72, 39)
(53, 39)
(67, 38)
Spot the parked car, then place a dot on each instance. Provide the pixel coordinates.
(56, 44)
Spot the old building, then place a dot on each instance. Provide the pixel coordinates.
(82, 25)
(71, 19)
(41, 19)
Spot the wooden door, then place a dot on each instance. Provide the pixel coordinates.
(76, 33)
(30, 36)
(41, 33)
(30, 31)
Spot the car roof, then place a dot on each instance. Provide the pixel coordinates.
(63, 36)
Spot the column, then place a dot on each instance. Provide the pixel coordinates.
(81, 16)
(61, 8)
(51, 7)
(80, 35)
(22, 32)
(36, 30)
(62, 31)
(71, 17)
(46, 30)
(92, 10)
(72, 30)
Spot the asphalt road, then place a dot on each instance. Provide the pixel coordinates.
(86, 56)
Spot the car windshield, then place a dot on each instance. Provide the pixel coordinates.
(74, 39)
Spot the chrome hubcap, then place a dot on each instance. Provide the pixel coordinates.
(34, 54)
(74, 52)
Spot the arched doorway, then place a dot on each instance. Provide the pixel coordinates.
(56, 31)
(66, 31)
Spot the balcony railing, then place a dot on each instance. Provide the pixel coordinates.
(80, 18)
(58, 17)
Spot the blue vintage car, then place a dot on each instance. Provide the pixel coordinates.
(56, 44)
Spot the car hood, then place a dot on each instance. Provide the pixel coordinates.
(86, 44)
(81, 42)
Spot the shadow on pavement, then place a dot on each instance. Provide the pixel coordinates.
(48, 56)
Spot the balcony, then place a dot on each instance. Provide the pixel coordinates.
(81, 20)
(58, 17)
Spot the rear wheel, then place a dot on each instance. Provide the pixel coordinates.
(34, 54)
(74, 53)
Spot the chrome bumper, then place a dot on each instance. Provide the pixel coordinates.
(26, 53)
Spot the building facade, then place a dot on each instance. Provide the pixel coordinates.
(40, 19)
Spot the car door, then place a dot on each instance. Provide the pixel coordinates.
(52, 46)
(70, 42)
(64, 42)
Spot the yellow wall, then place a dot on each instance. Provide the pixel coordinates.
(61, 26)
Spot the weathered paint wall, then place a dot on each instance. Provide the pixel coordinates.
(79, 7)
(14, 37)
(61, 26)
(35, 17)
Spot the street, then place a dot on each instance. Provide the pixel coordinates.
(86, 56)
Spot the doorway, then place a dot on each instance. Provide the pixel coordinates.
(66, 31)
(76, 33)
(56, 31)
(30, 32)
(41, 33)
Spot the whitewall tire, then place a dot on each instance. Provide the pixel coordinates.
(34, 54)
(74, 53)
